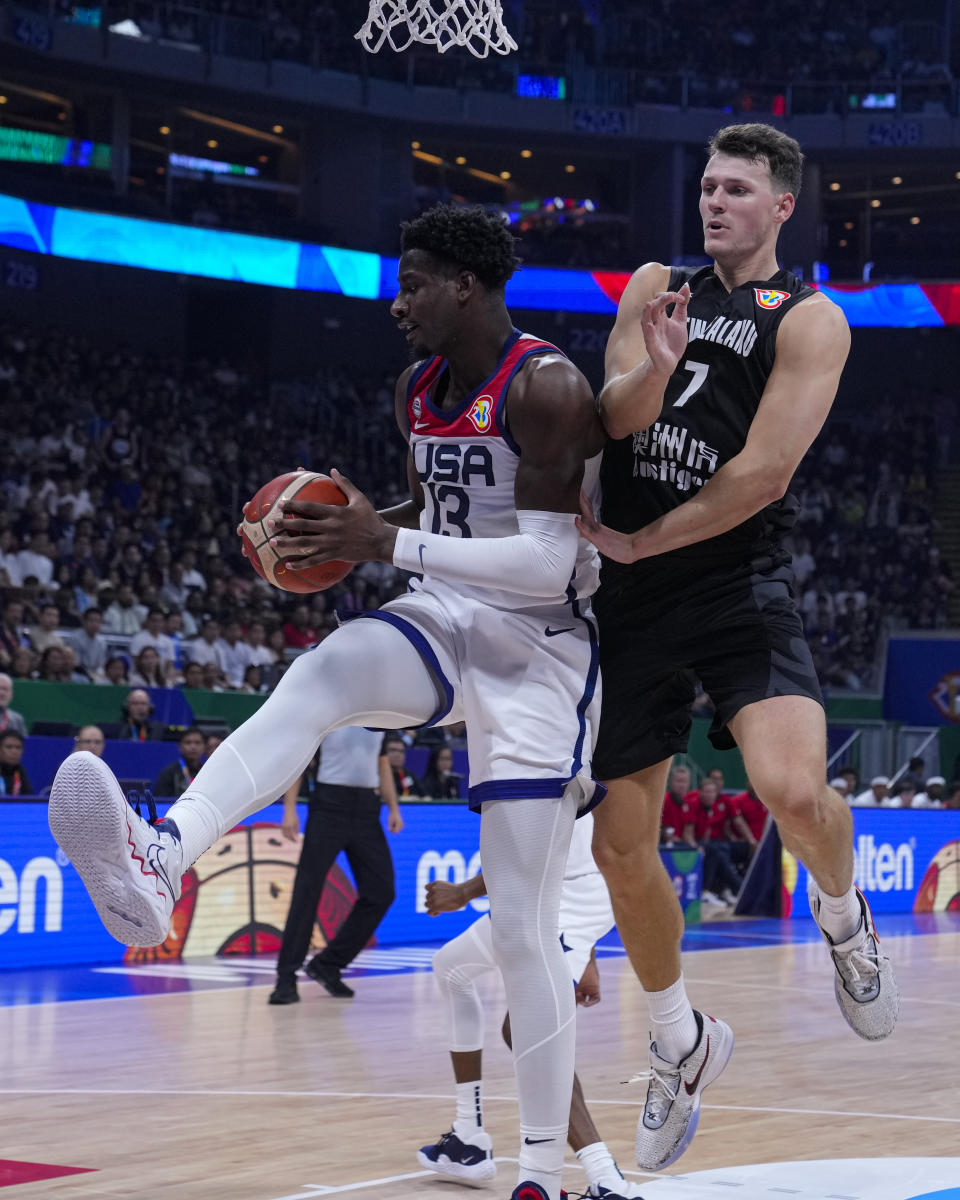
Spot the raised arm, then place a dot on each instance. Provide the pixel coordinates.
(812, 346)
(643, 351)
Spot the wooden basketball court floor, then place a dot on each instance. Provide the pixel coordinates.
(179, 1080)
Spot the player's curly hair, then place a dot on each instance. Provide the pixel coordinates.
(464, 239)
(757, 142)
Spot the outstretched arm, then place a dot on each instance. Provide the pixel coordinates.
(812, 347)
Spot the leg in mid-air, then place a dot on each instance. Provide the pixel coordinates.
(783, 741)
(688, 1049)
(366, 673)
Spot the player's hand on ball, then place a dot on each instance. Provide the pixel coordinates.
(312, 533)
(443, 896)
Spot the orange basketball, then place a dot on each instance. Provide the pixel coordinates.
(300, 485)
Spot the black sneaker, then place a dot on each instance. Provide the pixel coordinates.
(285, 992)
(470, 1162)
(328, 977)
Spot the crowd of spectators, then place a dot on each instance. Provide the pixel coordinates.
(119, 561)
(912, 787)
(864, 546)
(118, 557)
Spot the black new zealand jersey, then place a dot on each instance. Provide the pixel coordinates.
(709, 404)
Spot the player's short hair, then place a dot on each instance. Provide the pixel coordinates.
(464, 239)
(759, 143)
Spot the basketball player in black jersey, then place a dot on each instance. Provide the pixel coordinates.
(717, 382)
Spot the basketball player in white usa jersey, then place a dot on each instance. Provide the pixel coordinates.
(498, 634)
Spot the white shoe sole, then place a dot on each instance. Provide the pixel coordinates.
(91, 822)
(476, 1175)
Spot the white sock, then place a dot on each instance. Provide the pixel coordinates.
(599, 1164)
(840, 915)
(673, 1025)
(469, 1120)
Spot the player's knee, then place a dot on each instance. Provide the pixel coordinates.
(327, 664)
(443, 964)
(620, 857)
(796, 803)
(517, 941)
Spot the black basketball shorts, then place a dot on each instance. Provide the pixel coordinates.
(740, 633)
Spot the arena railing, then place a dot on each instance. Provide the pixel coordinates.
(195, 27)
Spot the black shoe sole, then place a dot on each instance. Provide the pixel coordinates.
(284, 999)
(334, 987)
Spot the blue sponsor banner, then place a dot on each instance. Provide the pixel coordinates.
(242, 885)
(922, 682)
(895, 852)
(47, 918)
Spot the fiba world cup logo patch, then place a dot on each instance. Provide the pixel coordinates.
(481, 414)
(770, 298)
(417, 407)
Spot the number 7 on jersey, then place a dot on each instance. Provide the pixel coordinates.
(699, 378)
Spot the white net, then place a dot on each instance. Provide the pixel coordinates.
(476, 25)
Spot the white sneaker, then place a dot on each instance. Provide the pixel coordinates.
(131, 870)
(728, 897)
(865, 985)
(712, 899)
(672, 1109)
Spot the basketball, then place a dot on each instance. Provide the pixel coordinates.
(300, 485)
(939, 889)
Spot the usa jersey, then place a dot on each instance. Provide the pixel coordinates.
(708, 406)
(467, 462)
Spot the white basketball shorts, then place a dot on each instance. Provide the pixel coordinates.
(527, 685)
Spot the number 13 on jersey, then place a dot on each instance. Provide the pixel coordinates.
(451, 507)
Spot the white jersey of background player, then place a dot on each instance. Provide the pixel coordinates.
(465, 1153)
(500, 635)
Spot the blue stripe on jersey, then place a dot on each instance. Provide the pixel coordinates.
(590, 687)
(422, 645)
(418, 373)
(529, 789)
(517, 789)
(499, 422)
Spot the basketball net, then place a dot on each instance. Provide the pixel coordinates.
(475, 24)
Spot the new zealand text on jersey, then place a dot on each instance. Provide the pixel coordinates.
(663, 452)
(738, 335)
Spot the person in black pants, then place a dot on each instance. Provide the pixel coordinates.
(344, 814)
